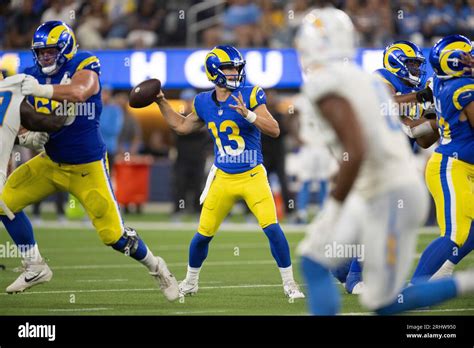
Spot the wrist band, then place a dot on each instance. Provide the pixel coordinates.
(47, 91)
(251, 116)
(422, 129)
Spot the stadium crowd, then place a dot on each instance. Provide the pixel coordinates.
(153, 23)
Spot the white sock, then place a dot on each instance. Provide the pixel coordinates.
(192, 276)
(286, 274)
(464, 281)
(31, 255)
(149, 261)
(445, 270)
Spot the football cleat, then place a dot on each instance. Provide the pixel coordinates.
(187, 288)
(358, 288)
(33, 274)
(166, 280)
(353, 281)
(292, 290)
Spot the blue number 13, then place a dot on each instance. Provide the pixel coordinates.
(5, 99)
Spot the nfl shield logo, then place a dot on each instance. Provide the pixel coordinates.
(220, 112)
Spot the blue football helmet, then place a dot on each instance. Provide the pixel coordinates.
(221, 57)
(446, 54)
(54, 34)
(405, 60)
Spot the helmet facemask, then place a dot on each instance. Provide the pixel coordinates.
(416, 70)
(47, 60)
(233, 81)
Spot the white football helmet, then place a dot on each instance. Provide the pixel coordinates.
(326, 35)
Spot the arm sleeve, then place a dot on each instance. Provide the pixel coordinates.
(196, 108)
(463, 96)
(89, 62)
(257, 97)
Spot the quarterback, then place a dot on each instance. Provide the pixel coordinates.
(378, 199)
(235, 116)
(74, 159)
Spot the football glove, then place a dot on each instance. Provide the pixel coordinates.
(425, 95)
(31, 86)
(33, 140)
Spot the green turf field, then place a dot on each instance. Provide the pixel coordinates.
(238, 278)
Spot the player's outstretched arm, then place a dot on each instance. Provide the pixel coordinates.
(260, 117)
(83, 85)
(38, 122)
(340, 115)
(423, 130)
(180, 124)
(425, 95)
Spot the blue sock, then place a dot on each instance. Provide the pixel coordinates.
(421, 295)
(354, 276)
(465, 249)
(323, 191)
(140, 251)
(302, 198)
(323, 295)
(278, 245)
(433, 258)
(341, 272)
(20, 229)
(198, 250)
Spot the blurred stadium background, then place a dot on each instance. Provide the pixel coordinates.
(156, 171)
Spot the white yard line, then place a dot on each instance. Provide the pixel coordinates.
(200, 312)
(166, 247)
(79, 309)
(173, 226)
(170, 264)
(100, 280)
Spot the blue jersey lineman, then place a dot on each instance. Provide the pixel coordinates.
(66, 82)
(235, 116)
(450, 170)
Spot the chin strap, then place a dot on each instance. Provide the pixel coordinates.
(49, 69)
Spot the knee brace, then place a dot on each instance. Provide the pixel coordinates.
(128, 243)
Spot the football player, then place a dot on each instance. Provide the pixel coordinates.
(378, 199)
(450, 170)
(235, 116)
(14, 112)
(74, 160)
(403, 74)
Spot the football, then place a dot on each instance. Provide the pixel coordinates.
(144, 93)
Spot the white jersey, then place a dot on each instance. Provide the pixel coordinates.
(10, 100)
(314, 160)
(388, 161)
